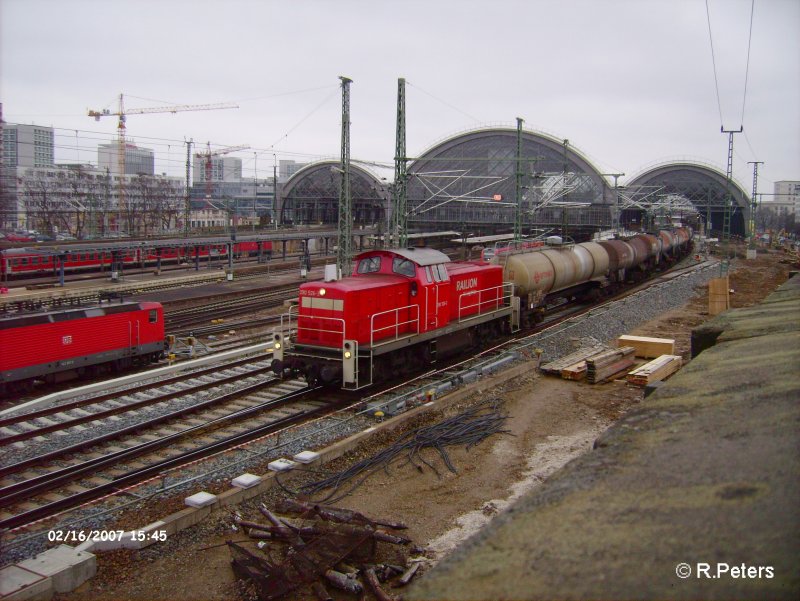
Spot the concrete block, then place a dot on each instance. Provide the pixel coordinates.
(20, 584)
(68, 567)
(246, 480)
(281, 465)
(200, 499)
(185, 518)
(306, 457)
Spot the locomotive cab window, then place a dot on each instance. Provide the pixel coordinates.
(403, 267)
(369, 265)
(440, 273)
(153, 316)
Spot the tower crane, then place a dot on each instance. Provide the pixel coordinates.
(122, 112)
(208, 154)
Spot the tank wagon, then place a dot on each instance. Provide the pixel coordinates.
(403, 308)
(561, 272)
(59, 345)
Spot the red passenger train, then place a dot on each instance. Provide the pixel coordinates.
(58, 345)
(402, 309)
(19, 262)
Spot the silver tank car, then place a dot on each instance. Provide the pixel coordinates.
(550, 270)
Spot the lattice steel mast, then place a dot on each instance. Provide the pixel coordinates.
(399, 227)
(751, 222)
(726, 218)
(344, 255)
(518, 187)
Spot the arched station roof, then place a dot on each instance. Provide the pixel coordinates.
(311, 195)
(457, 180)
(704, 185)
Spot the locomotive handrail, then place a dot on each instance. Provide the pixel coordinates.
(320, 330)
(503, 299)
(396, 325)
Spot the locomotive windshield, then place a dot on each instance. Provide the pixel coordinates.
(403, 267)
(369, 265)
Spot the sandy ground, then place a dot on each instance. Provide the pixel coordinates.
(551, 421)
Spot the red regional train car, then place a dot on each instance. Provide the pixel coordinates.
(400, 310)
(16, 262)
(58, 345)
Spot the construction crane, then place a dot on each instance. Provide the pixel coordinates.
(208, 154)
(122, 112)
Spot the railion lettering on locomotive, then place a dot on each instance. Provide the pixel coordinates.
(467, 284)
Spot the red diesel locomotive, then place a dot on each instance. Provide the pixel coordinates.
(399, 310)
(58, 345)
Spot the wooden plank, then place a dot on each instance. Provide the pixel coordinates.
(719, 299)
(656, 370)
(610, 369)
(648, 347)
(555, 366)
(576, 371)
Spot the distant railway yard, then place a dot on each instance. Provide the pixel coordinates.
(239, 393)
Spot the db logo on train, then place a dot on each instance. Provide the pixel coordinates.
(66, 340)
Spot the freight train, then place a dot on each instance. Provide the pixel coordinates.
(402, 309)
(19, 262)
(58, 345)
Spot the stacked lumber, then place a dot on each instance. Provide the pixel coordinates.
(646, 347)
(555, 367)
(576, 371)
(719, 298)
(606, 364)
(655, 371)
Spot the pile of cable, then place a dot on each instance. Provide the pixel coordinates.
(471, 427)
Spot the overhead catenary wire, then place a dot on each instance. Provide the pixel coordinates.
(714, 63)
(444, 102)
(747, 67)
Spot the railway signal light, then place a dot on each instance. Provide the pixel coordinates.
(277, 346)
(349, 359)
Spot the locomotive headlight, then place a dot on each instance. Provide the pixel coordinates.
(347, 354)
(322, 291)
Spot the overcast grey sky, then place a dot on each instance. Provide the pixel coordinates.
(628, 82)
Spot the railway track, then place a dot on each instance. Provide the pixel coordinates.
(44, 483)
(177, 320)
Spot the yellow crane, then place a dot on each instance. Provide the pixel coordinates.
(122, 113)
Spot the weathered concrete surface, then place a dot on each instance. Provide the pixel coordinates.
(705, 471)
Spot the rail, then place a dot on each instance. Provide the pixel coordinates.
(396, 325)
(500, 296)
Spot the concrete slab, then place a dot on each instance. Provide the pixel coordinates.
(68, 567)
(306, 457)
(20, 584)
(246, 480)
(281, 465)
(200, 499)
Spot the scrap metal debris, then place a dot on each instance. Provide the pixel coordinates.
(469, 428)
(318, 549)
